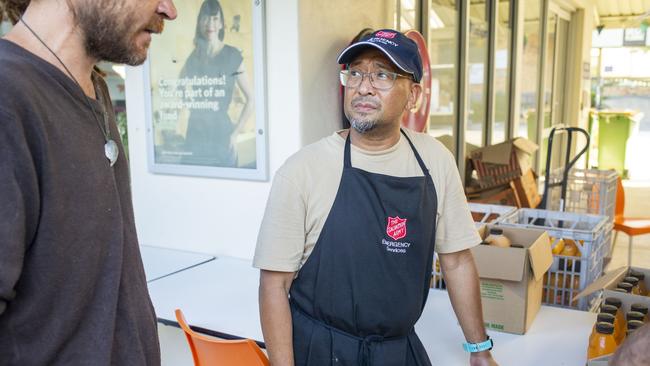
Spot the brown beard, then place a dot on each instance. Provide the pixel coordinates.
(12, 9)
(109, 31)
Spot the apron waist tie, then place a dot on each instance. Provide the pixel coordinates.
(365, 343)
(365, 352)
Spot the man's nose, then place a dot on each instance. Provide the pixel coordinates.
(366, 87)
(167, 9)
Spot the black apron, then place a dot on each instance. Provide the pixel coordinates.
(363, 288)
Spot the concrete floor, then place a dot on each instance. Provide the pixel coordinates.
(174, 349)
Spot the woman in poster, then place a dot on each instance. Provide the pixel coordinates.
(211, 133)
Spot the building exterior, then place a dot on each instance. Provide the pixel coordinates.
(499, 69)
(494, 67)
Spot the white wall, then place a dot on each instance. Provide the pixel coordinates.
(215, 215)
(326, 27)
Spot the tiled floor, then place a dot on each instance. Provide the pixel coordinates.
(637, 204)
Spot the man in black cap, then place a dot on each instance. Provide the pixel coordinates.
(347, 241)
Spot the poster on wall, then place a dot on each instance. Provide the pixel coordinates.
(206, 94)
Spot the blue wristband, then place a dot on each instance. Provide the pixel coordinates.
(479, 347)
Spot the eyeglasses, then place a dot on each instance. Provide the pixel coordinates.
(381, 80)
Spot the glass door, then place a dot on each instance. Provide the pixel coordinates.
(559, 79)
(554, 87)
(526, 125)
(443, 53)
(477, 68)
(502, 70)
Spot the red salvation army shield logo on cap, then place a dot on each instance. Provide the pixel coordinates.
(383, 34)
(396, 227)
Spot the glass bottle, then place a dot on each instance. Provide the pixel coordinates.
(497, 238)
(619, 323)
(634, 282)
(633, 325)
(643, 290)
(604, 318)
(625, 286)
(620, 316)
(641, 308)
(634, 315)
(602, 342)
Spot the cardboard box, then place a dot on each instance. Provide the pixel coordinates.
(511, 278)
(607, 283)
(527, 189)
(501, 163)
(504, 196)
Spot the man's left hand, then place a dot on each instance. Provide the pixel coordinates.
(482, 359)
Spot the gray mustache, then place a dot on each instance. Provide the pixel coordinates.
(369, 100)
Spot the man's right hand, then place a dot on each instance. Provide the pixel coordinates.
(275, 316)
(482, 359)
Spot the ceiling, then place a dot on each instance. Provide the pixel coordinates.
(623, 13)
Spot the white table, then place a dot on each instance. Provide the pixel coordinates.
(557, 337)
(221, 296)
(162, 262)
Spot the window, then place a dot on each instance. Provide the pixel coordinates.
(409, 16)
(527, 126)
(554, 88)
(443, 53)
(502, 72)
(477, 69)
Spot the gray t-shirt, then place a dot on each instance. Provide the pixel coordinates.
(72, 284)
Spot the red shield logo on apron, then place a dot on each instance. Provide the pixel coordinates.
(396, 227)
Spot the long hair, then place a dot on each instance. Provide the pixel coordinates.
(12, 9)
(200, 53)
(209, 8)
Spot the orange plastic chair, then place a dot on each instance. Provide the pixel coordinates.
(630, 226)
(208, 351)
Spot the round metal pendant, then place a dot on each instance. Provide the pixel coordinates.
(111, 151)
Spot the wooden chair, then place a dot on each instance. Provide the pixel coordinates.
(208, 351)
(632, 226)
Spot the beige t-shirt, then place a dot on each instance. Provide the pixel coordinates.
(305, 187)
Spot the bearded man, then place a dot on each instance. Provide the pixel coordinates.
(72, 284)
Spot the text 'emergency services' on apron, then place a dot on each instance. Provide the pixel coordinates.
(363, 288)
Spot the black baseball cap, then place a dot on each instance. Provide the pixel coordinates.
(400, 49)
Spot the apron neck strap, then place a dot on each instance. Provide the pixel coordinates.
(347, 160)
(417, 155)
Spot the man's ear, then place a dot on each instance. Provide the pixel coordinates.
(414, 96)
